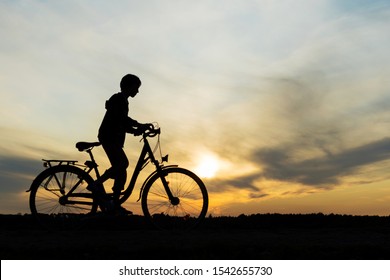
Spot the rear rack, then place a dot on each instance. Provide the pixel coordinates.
(48, 163)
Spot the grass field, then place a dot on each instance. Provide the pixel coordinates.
(265, 236)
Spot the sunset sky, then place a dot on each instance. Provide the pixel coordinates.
(282, 106)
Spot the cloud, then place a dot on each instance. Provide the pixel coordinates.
(17, 173)
(281, 172)
(241, 182)
(326, 171)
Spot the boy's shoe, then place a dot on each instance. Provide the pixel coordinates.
(121, 211)
(116, 210)
(106, 203)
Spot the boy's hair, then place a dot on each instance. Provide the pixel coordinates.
(130, 80)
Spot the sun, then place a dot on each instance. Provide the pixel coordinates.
(207, 167)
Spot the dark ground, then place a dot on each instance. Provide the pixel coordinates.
(262, 236)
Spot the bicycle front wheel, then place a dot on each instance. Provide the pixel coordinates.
(59, 198)
(190, 203)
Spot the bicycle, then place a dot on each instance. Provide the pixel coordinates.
(171, 197)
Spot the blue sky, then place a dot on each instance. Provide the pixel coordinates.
(289, 98)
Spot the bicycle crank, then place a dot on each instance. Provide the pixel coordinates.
(63, 200)
(175, 201)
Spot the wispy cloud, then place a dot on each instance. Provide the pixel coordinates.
(326, 171)
(17, 173)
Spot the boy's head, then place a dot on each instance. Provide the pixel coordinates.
(130, 84)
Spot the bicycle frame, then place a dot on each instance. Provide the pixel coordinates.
(145, 156)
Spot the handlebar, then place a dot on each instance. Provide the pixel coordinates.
(151, 131)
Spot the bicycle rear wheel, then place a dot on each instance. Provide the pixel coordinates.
(59, 198)
(187, 211)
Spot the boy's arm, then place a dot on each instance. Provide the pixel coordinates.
(137, 128)
(131, 125)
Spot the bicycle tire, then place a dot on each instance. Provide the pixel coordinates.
(185, 185)
(48, 201)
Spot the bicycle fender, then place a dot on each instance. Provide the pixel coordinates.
(43, 173)
(152, 175)
(48, 166)
(36, 178)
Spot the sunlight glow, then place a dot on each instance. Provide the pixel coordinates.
(207, 167)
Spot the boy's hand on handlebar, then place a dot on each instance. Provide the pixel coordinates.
(139, 129)
(151, 130)
(137, 132)
(145, 128)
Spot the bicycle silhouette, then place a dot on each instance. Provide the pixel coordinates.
(171, 197)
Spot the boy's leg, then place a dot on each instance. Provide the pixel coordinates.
(119, 164)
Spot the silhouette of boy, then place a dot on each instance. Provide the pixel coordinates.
(112, 133)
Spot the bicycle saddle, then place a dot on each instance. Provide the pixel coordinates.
(83, 146)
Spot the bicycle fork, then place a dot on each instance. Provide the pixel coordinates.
(160, 171)
(162, 174)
